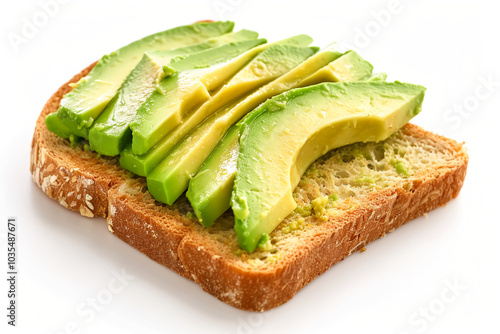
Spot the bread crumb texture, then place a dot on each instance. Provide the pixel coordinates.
(338, 182)
(332, 186)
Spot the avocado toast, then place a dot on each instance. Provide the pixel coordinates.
(346, 199)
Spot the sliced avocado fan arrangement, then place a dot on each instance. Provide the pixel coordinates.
(228, 119)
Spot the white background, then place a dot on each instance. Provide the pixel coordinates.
(399, 285)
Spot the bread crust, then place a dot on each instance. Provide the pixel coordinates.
(95, 186)
(71, 176)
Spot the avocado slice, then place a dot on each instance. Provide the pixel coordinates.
(110, 132)
(143, 164)
(210, 189)
(80, 107)
(171, 177)
(189, 87)
(377, 77)
(55, 125)
(349, 67)
(343, 113)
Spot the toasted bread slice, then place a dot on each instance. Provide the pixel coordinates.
(348, 198)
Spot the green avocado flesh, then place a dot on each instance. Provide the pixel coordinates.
(209, 195)
(377, 77)
(110, 132)
(177, 95)
(229, 120)
(55, 125)
(276, 148)
(80, 107)
(210, 190)
(349, 67)
(249, 78)
(171, 177)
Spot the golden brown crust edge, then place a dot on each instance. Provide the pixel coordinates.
(195, 256)
(79, 183)
(68, 175)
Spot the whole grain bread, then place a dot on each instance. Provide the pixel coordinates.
(346, 199)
